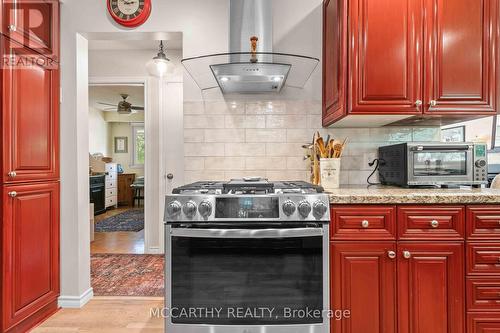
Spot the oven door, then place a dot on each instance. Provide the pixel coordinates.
(247, 280)
(440, 164)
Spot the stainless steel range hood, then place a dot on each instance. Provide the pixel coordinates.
(251, 66)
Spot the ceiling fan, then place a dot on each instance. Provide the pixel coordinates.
(123, 107)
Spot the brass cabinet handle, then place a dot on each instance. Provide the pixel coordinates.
(12, 194)
(391, 254)
(434, 223)
(365, 223)
(406, 254)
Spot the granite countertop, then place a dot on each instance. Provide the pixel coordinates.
(396, 195)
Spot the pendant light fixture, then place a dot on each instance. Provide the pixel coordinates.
(160, 64)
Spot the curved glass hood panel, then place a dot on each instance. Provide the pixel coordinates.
(246, 72)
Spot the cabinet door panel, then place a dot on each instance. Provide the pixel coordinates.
(431, 288)
(483, 322)
(483, 258)
(30, 118)
(384, 55)
(431, 222)
(483, 222)
(461, 64)
(34, 24)
(334, 59)
(364, 282)
(483, 293)
(30, 250)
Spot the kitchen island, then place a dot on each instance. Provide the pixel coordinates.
(415, 260)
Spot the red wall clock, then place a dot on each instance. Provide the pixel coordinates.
(129, 13)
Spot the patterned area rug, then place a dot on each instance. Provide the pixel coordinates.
(127, 275)
(131, 220)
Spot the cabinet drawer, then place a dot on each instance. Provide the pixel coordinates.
(483, 293)
(111, 167)
(111, 176)
(111, 192)
(483, 322)
(483, 222)
(110, 184)
(483, 258)
(111, 201)
(363, 222)
(431, 222)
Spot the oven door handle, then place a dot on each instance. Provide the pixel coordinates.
(246, 233)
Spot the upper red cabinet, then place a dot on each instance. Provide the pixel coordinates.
(389, 60)
(30, 116)
(385, 56)
(460, 70)
(34, 24)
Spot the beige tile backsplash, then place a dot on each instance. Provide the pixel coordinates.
(238, 139)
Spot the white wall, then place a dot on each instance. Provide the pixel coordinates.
(125, 159)
(98, 132)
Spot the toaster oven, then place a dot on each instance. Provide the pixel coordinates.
(415, 164)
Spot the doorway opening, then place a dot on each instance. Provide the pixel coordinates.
(117, 145)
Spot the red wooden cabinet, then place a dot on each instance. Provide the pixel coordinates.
(364, 282)
(334, 59)
(431, 287)
(363, 222)
(483, 323)
(431, 222)
(30, 254)
(461, 49)
(483, 222)
(30, 117)
(410, 59)
(34, 24)
(385, 56)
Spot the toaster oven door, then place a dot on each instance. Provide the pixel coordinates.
(440, 164)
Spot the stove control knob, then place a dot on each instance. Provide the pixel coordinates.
(288, 207)
(174, 208)
(304, 208)
(205, 208)
(319, 209)
(189, 208)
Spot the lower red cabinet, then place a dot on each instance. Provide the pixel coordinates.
(30, 254)
(431, 287)
(364, 282)
(483, 323)
(409, 288)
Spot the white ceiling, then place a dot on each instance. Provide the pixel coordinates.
(111, 94)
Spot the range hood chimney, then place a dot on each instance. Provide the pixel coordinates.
(251, 66)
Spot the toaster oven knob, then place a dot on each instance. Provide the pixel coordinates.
(174, 208)
(480, 163)
(304, 208)
(189, 209)
(205, 208)
(319, 209)
(288, 207)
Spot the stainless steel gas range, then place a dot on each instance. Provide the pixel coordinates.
(247, 256)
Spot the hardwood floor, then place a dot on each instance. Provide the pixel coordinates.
(117, 242)
(107, 315)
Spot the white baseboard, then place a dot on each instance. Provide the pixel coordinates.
(76, 302)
